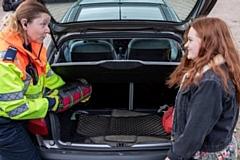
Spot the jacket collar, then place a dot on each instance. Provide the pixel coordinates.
(15, 40)
(216, 61)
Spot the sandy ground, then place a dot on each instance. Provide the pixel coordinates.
(227, 10)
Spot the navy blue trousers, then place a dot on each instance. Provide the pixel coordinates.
(15, 143)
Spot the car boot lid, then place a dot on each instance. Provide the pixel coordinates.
(95, 15)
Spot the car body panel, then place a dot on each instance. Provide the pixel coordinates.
(125, 155)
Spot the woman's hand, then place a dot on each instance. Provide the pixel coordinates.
(167, 158)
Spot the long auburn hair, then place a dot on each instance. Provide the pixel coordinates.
(216, 39)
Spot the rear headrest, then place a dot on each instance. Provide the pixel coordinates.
(91, 50)
(149, 49)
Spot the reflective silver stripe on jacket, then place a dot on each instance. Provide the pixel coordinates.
(33, 96)
(26, 83)
(2, 54)
(18, 110)
(11, 96)
(49, 73)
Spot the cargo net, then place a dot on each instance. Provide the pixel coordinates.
(99, 125)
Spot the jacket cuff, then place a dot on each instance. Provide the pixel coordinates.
(172, 156)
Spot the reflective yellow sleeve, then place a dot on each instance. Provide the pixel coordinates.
(53, 80)
(13, 102)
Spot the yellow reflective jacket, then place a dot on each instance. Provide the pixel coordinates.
(19, 98)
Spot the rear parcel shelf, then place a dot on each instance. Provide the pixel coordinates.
(119, 71)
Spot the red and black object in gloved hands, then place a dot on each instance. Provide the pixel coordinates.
(69, 94)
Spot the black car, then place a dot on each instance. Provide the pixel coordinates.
(126, 49)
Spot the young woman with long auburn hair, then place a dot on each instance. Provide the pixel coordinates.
(207, 103)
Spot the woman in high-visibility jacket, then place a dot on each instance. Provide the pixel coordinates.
(24, 73)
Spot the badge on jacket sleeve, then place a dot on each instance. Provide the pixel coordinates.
(10, 54)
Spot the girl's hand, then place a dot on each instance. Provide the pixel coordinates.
(167, 158)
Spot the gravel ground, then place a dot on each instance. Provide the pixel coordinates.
(226, 10)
